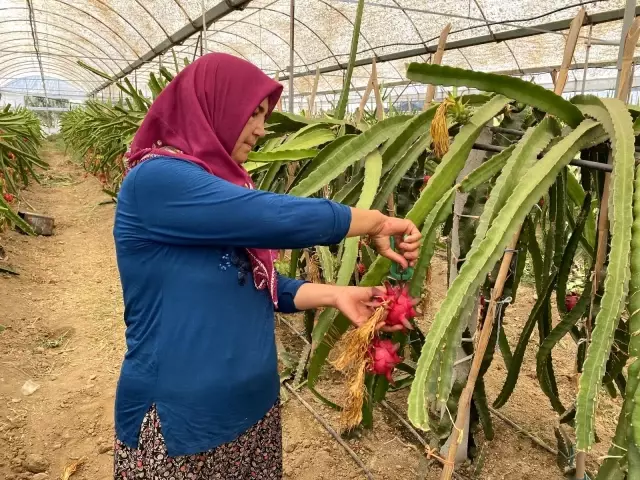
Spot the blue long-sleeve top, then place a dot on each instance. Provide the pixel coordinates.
(200, 336)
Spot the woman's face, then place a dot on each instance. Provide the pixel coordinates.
(252, 131)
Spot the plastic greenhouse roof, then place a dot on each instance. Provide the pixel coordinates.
(47, 38)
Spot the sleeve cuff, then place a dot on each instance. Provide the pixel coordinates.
(342, 222)
(287, 290)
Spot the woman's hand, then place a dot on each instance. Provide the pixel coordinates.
(355, 304)
(380, 228)
(407, 240)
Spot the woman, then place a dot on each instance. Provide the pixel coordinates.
(197, 396)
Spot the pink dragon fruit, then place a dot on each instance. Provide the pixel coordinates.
(384, 357)
(399, 306)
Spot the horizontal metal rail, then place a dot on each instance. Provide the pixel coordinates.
(595, 19)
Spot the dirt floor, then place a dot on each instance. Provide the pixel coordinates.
(61, 327)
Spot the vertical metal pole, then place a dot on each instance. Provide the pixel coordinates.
(629, 14)
(204, 29)
(292, 11)
(586, 60)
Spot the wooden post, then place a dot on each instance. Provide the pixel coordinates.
(569, 48)
(437, 60)
(314, 90)
(376, 91)
(496, 294)
(626, 70)
(365, 96)
(279, 105)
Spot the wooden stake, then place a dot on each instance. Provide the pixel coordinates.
(365, 95)
(485, 334)
(437, 60)
(626, 72)
(312, 98)
(569, 48)
(376, 91)
(467, 393)
(279, 105)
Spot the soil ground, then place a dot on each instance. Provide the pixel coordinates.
(63, 329)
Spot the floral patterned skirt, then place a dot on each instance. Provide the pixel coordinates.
(257, 453)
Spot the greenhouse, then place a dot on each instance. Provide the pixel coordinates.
(402, 239)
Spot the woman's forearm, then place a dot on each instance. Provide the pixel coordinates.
(316, 295)
(365, 222)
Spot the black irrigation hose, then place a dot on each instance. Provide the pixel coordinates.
(333, 433)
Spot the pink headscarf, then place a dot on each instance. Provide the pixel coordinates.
(198, 117)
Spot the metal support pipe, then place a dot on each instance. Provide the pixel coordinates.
(524, 32)
(292, 12)
(36, 47)
(604, 167)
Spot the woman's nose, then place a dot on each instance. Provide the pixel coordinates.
(259, 130)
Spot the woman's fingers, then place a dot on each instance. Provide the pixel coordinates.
(388, 328)
(395, 257)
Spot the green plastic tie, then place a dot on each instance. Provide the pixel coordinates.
(397, 272)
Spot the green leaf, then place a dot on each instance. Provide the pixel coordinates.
(520, 90)
(518, 354)
(341, 108)
(325, 153)
(281, 155)
(326, 263)
(486, 171)
(569, 254)
(524, 155)
(482, 258)
(373, 169)
(94, 70)
(451, 164)
(618, 273)
(311, 139)
(394, 176)
(345, 156)
(429, 236)
(416, 127)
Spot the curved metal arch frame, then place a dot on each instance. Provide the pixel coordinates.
(78, 35)
(422, 40)
(66, 61)
(28, 67)
(78, 71)
(53, 45)
(140, 69)
(267, 9)
(261, 27)
(249, 41)
(70, 40)
(111, 9)
(373, 49)
(68, 19)
(154, 19)
(318, 36)
(55, 71)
